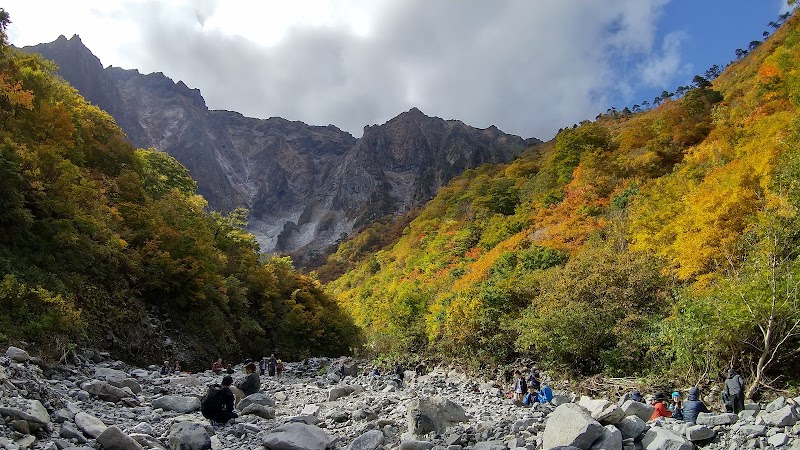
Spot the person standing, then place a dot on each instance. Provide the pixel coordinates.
(520, 386)
(734, 391)
(272, 365)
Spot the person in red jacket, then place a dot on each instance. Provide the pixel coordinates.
(659, 403)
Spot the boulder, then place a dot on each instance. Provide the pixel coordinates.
(713, 420)
(310, 410)
(415, 445)
(638, 409)
(105, 391)
(658, 438)
(114, 439)
(781, 418)
(426, 414)
(147, 441)
(31, 411)
(131, 384)
(489, 445)
(297, 436)
(632, 427)
(699, 433)
(90, 425)
(368, 441)
(70, 431)
(570, 424)
(347, 365)
(259, 398)
(611, 439)
(113, 376)
(178, 403)
(17, 354)
(338, 392)
(189, 436)
(265, 412)
(778, 439)
(602, 410)
(776, 404)
(751, 431)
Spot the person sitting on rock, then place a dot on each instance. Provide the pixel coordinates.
(534, 379)
(545, 393)
(660, 407)
(216, 366)
(177, 367)
(693, 406)
(218, 403)
(165, 369)
(229, 369)
(676, 407)
(531, 397)
(520, 386)
(250, 385)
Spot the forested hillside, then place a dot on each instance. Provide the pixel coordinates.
(109, 246)
(657, 242)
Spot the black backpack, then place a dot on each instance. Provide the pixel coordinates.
(213, 400)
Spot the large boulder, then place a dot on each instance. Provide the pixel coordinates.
(368, 441)
(90, 425)
(658, 438)
(781, 418)
(178, 403)
(602, 410)
(426, 414)
(611, 439)
(114, 439)
(415, 445)
(31, 411)
(105, 391)
(17, 354)
(712, 420)
(348, 366)
(189, 436)
(259, 398)
(113, 376)
(297, 436)
(632, 427)
(638, 409)
(699, 433)
(338, 392)
(776, 404)
(571, 424)
(265, 412)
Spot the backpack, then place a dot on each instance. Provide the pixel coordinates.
(213, 400)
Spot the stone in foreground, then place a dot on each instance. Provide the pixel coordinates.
(571, 425)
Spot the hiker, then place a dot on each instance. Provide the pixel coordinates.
(272, 365)
(520, 386)
(534, 379)
(250, 385)
(399, 371)
(733, 394)
(229, 369)
(660, 410)
(165, 369)
(177, 367)
(676, 407)
(216, 366)
(637, 396)
(545, 393)
(217, 405)
(420, 369)
(531, 397)
(280, 368)
(693, 406)
(262, 366)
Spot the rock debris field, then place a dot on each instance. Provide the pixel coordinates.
(98, 403)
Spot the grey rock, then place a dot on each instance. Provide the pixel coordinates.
(188, 436)
(713, 420)
(699, 433)
(780, 418)
(602, 410)
(751, 431)
(776, 404)
(70, 431)
(20, 426)
(131, 384)
(112, 376)
(338, 392)
(559, 400)
(339, 416)
(90, 425)
(748, 414)
(178, 403)
(611, 439)
(310, 410)
(265, 412)
(297, 436)
(572, 425)
(25, 442)
(63, 415)
(370, 440)
(415, 445)
(147, 441)
(437, 413)
(17, 354)
(490, 445)
(259, 398)
(632, 427)
(105, 391)
(142, 428)
(31, 411)
(658, 438)
(114, 439)
(778, 439)
(638, 409)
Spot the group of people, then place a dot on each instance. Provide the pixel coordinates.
(221, 399)
(532, 389)
(732, 397)
(167, 369)
(271, 366)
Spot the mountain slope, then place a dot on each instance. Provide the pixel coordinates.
(305, 186)
(635, 238)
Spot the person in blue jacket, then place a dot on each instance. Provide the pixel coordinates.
(545, 393)
(693, 405)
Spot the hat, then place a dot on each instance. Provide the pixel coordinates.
(676, 394)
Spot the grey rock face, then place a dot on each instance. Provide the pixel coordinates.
(297, 436)
(189, 436)
(177, 403)
(114, 439)
(572, 425)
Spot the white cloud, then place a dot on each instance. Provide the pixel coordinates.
(661, 68)
(529, 67)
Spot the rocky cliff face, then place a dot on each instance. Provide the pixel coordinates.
(305, 186)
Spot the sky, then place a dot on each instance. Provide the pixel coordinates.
(528, 67)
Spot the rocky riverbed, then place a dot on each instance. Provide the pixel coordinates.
(98, 403)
